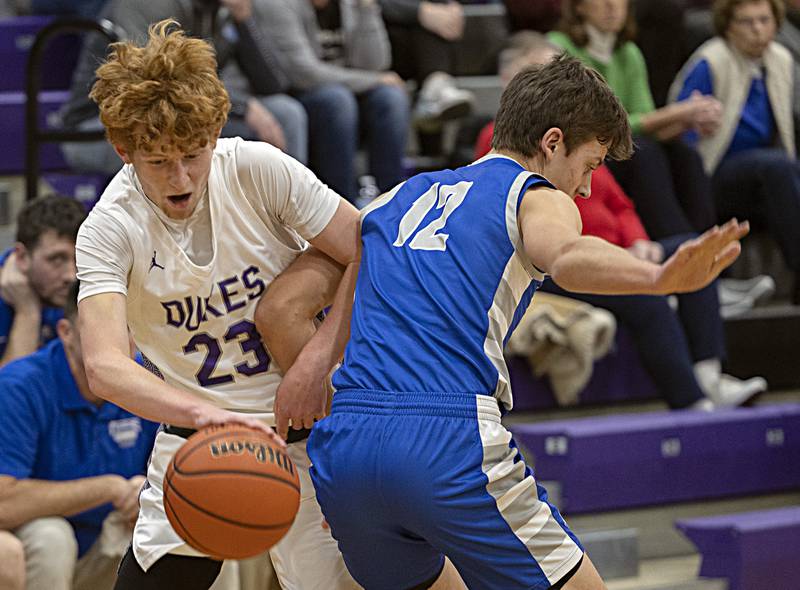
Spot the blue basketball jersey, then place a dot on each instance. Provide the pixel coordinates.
(443, 282)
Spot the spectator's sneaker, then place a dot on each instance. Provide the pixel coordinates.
(733, 392)
(739, 296)
(439, 101)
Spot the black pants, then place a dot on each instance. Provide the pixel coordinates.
(763, 185)
(417, 53)
(171, 572)
(669, 187)
(668, 343)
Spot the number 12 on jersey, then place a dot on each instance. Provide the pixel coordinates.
(448, 197)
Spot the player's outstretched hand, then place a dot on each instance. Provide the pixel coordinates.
(212, 416)
(699, 261)
(302, 398)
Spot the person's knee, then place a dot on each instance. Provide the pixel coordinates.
(776, 163)
(12, 562)
(293, 119)
(50, 541)
(391, 100)
(337, 103)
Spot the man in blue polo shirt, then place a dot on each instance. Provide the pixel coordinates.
(71, 465)
(36, 274)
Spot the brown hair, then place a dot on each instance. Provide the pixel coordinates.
(565, 94)
(573, 25)
(57, 213)
(723, 13)
(169, 87)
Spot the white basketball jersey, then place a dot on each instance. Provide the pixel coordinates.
(195, 323)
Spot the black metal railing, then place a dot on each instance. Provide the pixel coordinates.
(34, 136)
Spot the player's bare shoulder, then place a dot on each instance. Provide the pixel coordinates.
(543, 204)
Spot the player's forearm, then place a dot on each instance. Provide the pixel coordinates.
(286, 335)
(23, 339)
(27, 499)
(286, 315)
(120, 380)
(592, 265)
(326, 347)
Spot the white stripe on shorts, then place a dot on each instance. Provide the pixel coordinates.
(517, 500)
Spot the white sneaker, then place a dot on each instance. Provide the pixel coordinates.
(739, 296)
(733, 392)
(440, 100)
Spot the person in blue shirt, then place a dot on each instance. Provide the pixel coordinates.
(35, 275)
(413, 464)
(752, 155)
(72, 466)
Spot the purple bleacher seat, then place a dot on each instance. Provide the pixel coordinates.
(753, 550)
(12, 122)
(628, 460)
(619, 376)
(86, 188)
(16, 38)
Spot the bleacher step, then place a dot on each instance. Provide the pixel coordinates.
(668, 574)
(657, 536)
(615, 553)
(754, 550)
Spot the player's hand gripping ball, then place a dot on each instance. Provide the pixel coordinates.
(230, 493)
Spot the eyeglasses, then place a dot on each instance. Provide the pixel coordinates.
(752, 21)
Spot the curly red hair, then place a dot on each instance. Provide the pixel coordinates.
(167, 88)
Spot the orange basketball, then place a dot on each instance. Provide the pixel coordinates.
(230, 493)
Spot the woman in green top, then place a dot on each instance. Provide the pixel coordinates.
(665, 177)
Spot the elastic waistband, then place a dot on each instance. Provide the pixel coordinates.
(292, 437)
(410, 403)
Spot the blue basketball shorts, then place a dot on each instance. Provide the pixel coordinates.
(404, 479)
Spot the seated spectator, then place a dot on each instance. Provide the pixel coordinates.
(665, 177)
(71, 469)
(36, 273)
(260, 110)
(423, 36)
(681, 351)
(336, 53)
(752, 155)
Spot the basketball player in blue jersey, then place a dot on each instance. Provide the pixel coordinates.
(413, 463)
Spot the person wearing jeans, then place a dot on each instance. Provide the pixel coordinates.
(261, 109)
(336, 54)
(339, 120)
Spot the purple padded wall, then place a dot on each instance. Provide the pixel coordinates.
(16, 38)
(628, 460)
(12, 125)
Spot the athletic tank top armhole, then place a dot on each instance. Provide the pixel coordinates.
(528, 181)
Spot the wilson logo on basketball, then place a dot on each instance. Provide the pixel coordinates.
(261, 452)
